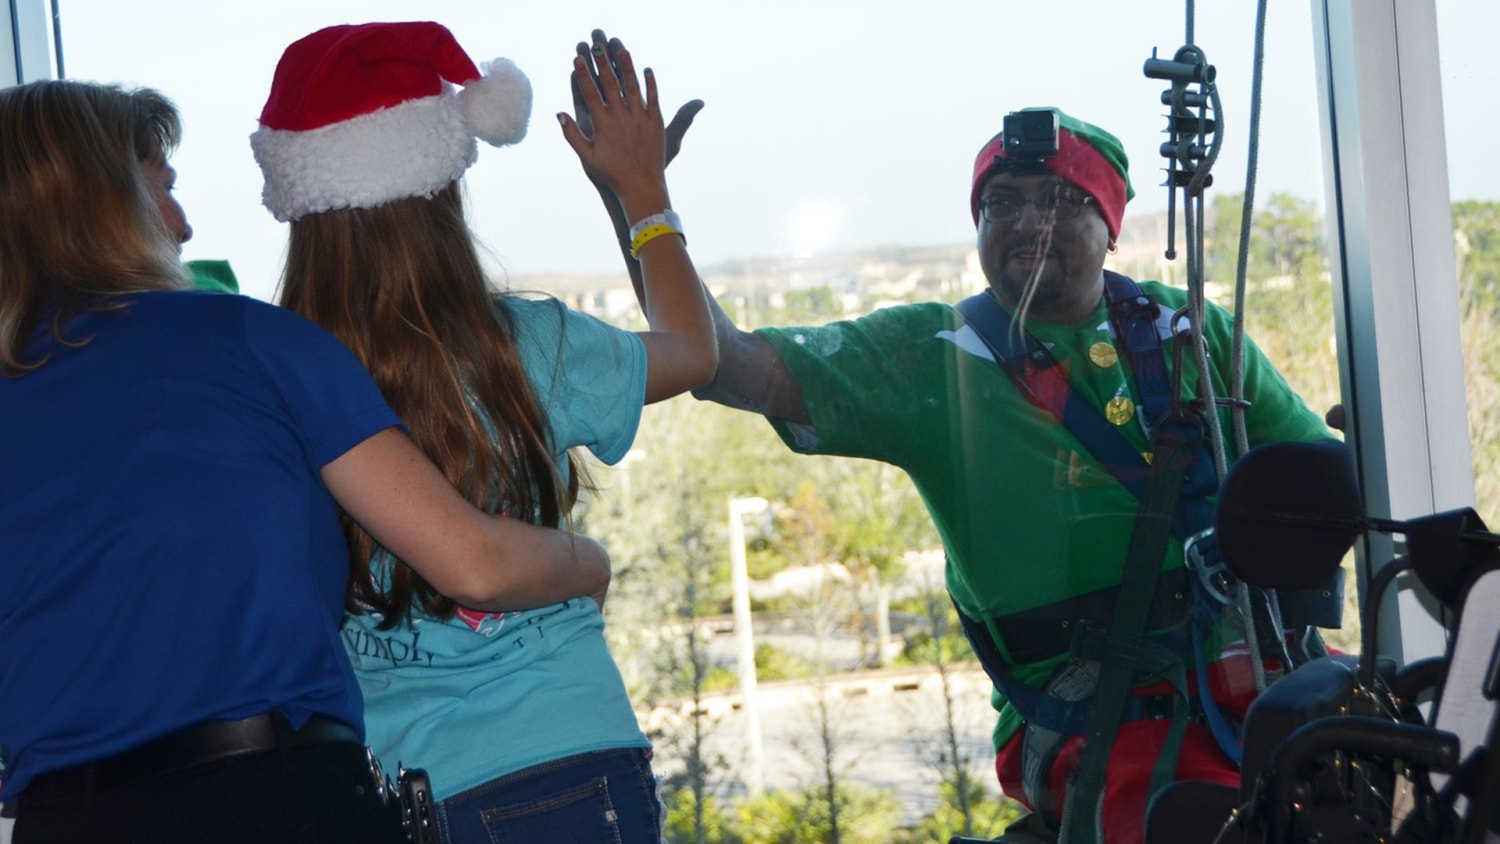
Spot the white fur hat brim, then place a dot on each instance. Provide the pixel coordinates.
(412, 149)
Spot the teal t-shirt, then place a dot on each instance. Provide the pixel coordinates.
(1027, 516)
(483, 695)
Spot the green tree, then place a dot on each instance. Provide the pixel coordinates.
(808, 307)
(1476, 246)
(1287, 240)
(691, 822)
(982, 815)
(805, 817)
(805, 532)
(879, 517)
(663, 516)
(1476, 237)
(947, 652)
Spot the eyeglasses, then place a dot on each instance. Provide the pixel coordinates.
(1006, 207)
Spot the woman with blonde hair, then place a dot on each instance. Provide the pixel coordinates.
(173, 569)
(521, 720)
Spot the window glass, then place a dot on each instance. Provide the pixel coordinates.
(828, 175)
(1470, 81)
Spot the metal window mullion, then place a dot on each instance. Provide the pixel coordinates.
(1395, 286)
(33, 31)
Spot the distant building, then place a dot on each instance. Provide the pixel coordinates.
(859, 282)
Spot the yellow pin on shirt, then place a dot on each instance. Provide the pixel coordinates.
(1103, 355)
(1120, 410)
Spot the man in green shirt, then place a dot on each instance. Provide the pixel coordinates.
(1036, 528)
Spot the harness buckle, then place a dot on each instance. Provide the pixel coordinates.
(1074, 681)
(1200, 553)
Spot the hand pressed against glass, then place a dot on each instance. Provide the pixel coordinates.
(1043, 232)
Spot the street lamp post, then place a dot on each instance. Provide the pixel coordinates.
(745, 637)
(632, 456)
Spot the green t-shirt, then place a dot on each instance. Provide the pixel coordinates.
(1027, 516)
(212, 275)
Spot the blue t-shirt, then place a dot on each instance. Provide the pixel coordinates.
(168, 552)
(483, 695)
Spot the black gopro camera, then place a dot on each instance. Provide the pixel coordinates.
(1030, 134)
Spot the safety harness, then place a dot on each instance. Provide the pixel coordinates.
(1090, 693)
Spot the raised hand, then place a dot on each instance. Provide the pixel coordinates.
(624, 150)
(681, 122)
(609, 49)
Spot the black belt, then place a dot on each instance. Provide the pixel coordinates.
(1044, 632)
(211, 741)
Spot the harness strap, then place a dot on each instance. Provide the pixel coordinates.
(1038, 377)
(1166, 761)
(1172, 489)
(1174, 444)
(1040, 746)
(1224, 734)
(1133, 315)
(1036, 374)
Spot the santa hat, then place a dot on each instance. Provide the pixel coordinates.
(1087, 156)
(361, 115)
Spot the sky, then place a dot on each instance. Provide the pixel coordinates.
(830, 125)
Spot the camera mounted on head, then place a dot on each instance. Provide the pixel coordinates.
(1030, 134)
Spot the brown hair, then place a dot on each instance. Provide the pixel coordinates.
(401, 285)
(78, 226)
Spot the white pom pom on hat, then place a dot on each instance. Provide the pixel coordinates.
(361, 115)
(498, 105)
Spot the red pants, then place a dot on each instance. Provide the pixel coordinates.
(1133, 757)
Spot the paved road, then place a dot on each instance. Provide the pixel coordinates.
(885, 728)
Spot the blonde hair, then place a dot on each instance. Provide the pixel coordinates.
(78, 225)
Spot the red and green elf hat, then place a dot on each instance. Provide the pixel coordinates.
(1087, 156)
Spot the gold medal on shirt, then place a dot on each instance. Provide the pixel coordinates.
(1120, 410)
(1103, 355)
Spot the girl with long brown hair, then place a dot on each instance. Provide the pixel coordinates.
(173, 571)
(521, 719)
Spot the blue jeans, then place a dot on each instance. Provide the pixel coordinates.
(608, 797)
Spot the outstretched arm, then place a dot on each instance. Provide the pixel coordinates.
(751, 375)
(626, 154)
(491, 563)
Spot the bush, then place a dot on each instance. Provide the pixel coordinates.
(989, 816)
(682, 822)
(787, 817)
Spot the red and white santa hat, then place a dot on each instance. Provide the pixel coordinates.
(361, 115)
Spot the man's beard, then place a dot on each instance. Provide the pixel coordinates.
(1041, 287)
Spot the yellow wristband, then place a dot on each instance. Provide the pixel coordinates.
(648, 234)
